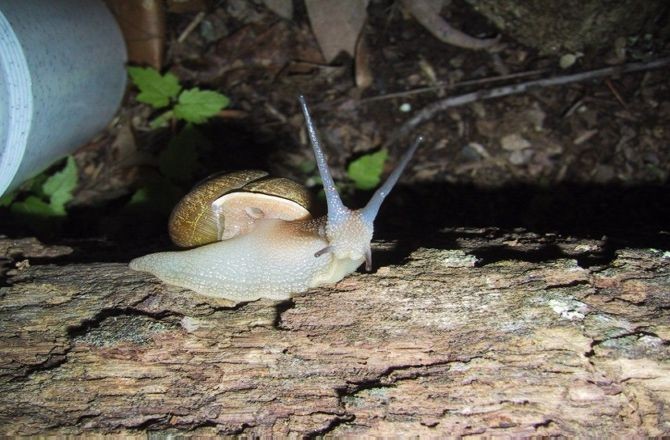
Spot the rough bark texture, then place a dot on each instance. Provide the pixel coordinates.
(511, 334)
(573, 25)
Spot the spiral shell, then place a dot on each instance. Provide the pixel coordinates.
(228, 205)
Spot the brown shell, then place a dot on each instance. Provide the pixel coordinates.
(227, 205)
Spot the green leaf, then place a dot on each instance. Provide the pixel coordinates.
(197, 105)
(366, 171)
(58, 188)
(162, 120)
(307, 166)
(155, 89)
(38, 215)
(8, 198)
(180, 159)
(139, 197)
(34, 207)
(34, 185)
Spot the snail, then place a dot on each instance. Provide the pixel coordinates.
(258, 252)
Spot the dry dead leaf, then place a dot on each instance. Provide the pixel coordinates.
(336, 24)
(108, 166)
(362, 67)
(427, 12)
(143, 27)
(283, 8)
(270, 49)
(184, 6)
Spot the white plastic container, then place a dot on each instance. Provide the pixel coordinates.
(62, 78)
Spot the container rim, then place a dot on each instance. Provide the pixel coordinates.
(16, 98)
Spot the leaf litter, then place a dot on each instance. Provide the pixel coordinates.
(262, 59)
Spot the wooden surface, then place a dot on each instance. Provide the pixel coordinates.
(496, 334)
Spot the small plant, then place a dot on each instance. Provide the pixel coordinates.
(161, 91)
(177, 165)
(366, 171)
(41, 202)
(46, 195)
(179, 161)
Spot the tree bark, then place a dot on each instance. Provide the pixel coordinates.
(510, 334)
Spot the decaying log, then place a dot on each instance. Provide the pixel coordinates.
(497, 333)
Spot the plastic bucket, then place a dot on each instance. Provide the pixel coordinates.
(62, 77)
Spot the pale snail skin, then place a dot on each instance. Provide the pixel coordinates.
(279, 258)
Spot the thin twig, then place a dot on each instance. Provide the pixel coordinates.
(615, 92)
(445, 85)
(281, 117)
(192, 25)
(429, 111)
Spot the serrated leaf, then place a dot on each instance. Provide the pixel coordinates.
(155, 89)
(197, 105)
(59, 187)
(180, 159)
(366, 171)
(33, 206)
(34, 185)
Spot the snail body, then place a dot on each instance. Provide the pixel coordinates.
(229, 269)
(274, 255)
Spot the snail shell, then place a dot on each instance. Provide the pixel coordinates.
(228, 205)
